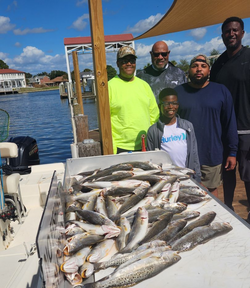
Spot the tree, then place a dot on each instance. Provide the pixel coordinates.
(42, 74)
(215, 54)
(173, 62)
(3, 65)
(56, 73)
(111, 72)
(183, 65)
(146, 66)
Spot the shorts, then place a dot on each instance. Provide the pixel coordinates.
(211, 176)
(243, 157)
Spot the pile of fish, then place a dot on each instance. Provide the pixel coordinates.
(132, 217)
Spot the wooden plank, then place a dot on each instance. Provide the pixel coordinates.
(99, 59)
(78, 82)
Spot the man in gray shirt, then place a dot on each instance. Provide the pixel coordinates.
(161, 73)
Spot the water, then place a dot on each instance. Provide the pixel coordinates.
(45, 117)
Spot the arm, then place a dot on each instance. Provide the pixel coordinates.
(151, 139)
(229, 131)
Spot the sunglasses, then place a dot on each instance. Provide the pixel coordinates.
(167, 104)
(163, 54)
(125, 61)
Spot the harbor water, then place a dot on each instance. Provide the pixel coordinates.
(45, 117)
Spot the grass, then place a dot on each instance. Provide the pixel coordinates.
(36, 89)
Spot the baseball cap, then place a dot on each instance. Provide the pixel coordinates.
(125, 51)
(206, 60)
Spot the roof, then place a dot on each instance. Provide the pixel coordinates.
(9, 71)
(185, 15)
(107, 38)
(59, 79)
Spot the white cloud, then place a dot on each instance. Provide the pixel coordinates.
(34, 60)
(198, 33)
(81, 2)
(80, 24)
(31, 31)
(5, 25)
(18, 44)
(144, 25)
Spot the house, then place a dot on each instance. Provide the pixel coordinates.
(59, 80)
(11, 79)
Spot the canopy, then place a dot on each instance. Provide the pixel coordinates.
(190, 14)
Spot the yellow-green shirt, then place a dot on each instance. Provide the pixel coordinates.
(133, 109)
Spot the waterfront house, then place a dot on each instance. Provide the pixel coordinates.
(11, 80)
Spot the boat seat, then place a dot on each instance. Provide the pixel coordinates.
(11, 184)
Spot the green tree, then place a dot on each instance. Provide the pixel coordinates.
(42, 74)
(3, 65)
(146, 66)
(183, 65)
(173, 62)
(214, 54)
(56, 73)
(111, 72)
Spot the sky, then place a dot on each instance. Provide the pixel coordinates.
(32, 32)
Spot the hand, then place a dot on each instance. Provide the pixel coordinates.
(230, 163)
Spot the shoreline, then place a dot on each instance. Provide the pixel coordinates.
(29, 90)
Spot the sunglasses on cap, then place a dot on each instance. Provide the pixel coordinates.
(163, 54)
(126, 60)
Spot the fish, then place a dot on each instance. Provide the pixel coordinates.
(200, 235)
(79, 241)
(143, 254)
(94, 217)
(72, 230)
(138, 271)
(105, 184)
(122, 238)
(111, 207)
(100, 251)
(145, 165)
(73, 278)
(157, 227)
(72, 264)
(156, 188)
(193, 190)
(162, 197)
(138, 194)
(177, 207)
(201, 221)
(174, 192)
(187, 215)
(170, 231)
(86, 196)
(109, 171)
(116, 176)
(109, 231)
(86, 269)
(189, 199)
(118, 191)
(138, 229)
(152, 179)
(90, 203)
(100, 206)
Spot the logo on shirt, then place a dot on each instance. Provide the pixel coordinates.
(174, 138)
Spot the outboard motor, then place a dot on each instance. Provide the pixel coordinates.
(27, 154)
